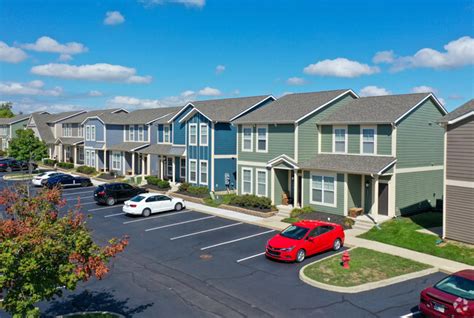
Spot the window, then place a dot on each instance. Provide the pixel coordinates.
(116, 160)
(323, 190)
(262, 139)
(340, 140)
(67, 151)
(182, 168)
(88, 157)
(193, 134)
(247, 142)
(88, 132)
(3, 130)
(80, 150)
(192, 170)
(93, 132)
(262, 182)
(67, 130)
(203, 134)
(203, 172)
(131, 133)
(166, 134)
(169, 166)
(93, 158)
(368, 140)
(140, 133)
(80, 131)
(246, 181)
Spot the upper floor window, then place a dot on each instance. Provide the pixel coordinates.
(368, 140)
(166, 134)
(140, 133)
(340, 140)
(88, 132)
(131, 133)
(93, 132)
(67, 130)
(80, 131)
(193, 134)
(3, 130)
(203, 134)
(247, 140)
(262, 138)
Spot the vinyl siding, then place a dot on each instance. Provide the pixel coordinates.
(221, 167)
(384, 139)
(114, 134)
(460, 150)
(339, 209)
(225, 139)
(420, 140)
(326, 138)
(99, 131)
(353, 138)
(179, 129)
(354, 196)
(17, 126)
(200, 152)
(459, 214)
(254, 184)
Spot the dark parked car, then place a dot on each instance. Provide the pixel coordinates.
(10, 164)
(66, 180)
(111, 193)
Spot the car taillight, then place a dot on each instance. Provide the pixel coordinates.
(2, 164)
(101, 193)
(133, 205)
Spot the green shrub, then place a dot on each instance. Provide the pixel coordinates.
(86, 170)
(199, 191)
(183, 187)
(348, 223)
(297, 211)
(49, 162)
(3, 153)
(65, 165)
(162, 184)
(251, 201)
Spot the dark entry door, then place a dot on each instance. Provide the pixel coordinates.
(383, 198)
(299, 191)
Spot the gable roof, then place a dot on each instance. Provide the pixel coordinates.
(54, 118)
(463, 111)
(80, 118)
(15, 119)
(224, 110)
(41, 124)
(389, 109)
(292, 108)
(349, 163)
(140, 116)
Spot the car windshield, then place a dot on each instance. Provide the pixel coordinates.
(294, 232)
(137, 198)
(457, 286)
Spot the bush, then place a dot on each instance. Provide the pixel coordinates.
(86, 170)
(348, 223)
(251, 201)
(297, 211)
(162, 184)
(65, 165)
(49, 162)
(3, 153)
(183, 187)
(199, 191)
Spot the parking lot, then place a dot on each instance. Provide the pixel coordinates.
(189, 263)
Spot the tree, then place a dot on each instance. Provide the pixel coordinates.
(26, 146)
(41, 252)
(6, 110)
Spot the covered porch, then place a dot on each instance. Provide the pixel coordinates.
(286, 182)
(70, 149)
(167, 162)
(124, 159)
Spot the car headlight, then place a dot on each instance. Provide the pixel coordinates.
(287, 249)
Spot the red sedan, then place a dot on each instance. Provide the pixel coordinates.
(451, 297)
(305, 238)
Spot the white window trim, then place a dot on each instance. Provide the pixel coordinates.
(93, 156)
(323, 174)
(181, 167)
(119, 163)
(251, 139)
(362, 140)
(251, 180)
(201, 141)
(93, 133)
(165, 134)
(131, 132)
(193, 143)
(266, 139)
(88, 132)
(189, 171)
(168, 161)
(334, 138)
(140, 127)
(207, 172)
(266, 182)
(87, 158)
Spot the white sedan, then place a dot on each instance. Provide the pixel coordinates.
(43, 176)
(148, 203)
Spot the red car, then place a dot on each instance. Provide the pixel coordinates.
(304, 238)
(451, 297)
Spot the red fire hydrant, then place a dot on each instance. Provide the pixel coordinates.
(345, 259)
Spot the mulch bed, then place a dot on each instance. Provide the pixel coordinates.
(322, 216)
(107, 176)
(155, 188)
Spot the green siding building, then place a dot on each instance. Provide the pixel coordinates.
(8, 128)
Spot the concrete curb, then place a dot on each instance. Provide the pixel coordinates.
(363, 287)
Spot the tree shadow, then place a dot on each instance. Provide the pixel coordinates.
(92, 301)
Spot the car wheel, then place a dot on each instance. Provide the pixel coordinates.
(178, 207)
(300, 256)
(84, 184)
(336, 246)
(110, 201)
(146, 212)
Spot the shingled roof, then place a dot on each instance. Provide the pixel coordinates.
(377, 109)
(292, 107)
(463, 110)
(140, 116)
(349, 163)
(81, 117)
(12, 120)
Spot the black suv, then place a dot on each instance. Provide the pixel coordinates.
(111, 193)
(10, 164)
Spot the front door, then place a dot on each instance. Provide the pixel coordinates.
(383, 198)
(300, 190)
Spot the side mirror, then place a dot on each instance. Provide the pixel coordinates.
(310, 238)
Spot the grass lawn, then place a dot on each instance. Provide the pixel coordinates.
(402, 232)
(290, 220)
(221, 199)
(365, 266)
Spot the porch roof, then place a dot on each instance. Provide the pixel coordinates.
(163, 149)
(71, 141)
(128, 146)
(349, 163)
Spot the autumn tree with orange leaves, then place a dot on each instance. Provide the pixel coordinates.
(43, 251)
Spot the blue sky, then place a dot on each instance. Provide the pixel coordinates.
(63, 55)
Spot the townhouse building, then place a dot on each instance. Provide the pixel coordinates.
(8, 128)
(333, 151)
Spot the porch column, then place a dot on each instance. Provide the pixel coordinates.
(105, 160)
(161, 167)
(295, 188)
(272, 172)
(174, 169)
(133, 164)
(74, 158)
(143, 165)
(148, 165)
(375, 191)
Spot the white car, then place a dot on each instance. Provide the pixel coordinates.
(148, 203)
(43, 176)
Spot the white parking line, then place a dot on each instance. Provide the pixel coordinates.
(155, 217)
(179, 223)
(107, 207)
(205, 231)
(412, 314)
(236, 240)
(110, 215)
(249, 257)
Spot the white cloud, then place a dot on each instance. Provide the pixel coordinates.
(27, 106)
(340, 67)
(187, 3)
(295, 81)
(31, 88)
(65, 57)
(372, 90)
(11, 54)
(383, 57)
(220, 69)
(133, 102)
(92, 72)
(457, 53)
(236, 92)
(113, 18)
(423, 89)
(209, 91)
(47, 44)
(95, 93)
